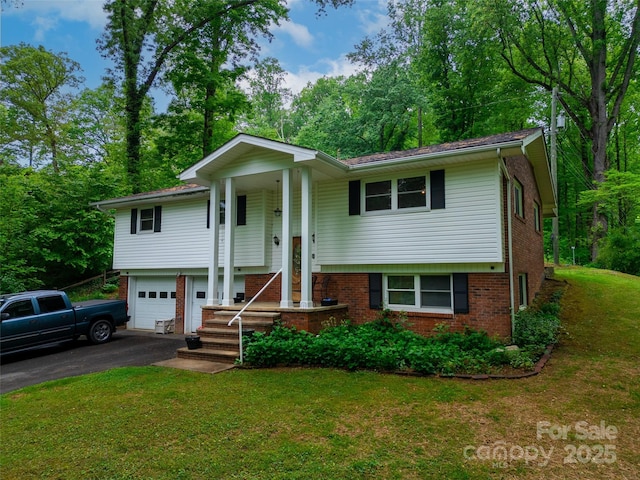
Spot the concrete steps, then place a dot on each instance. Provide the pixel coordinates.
(220, 342)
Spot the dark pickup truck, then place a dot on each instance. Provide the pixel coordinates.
(29, 319)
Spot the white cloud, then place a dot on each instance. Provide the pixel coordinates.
(296, 81)
(374, 19)
(299, 33)
(89, 11)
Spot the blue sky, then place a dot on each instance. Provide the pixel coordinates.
(308, 47)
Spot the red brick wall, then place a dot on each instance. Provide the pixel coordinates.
(123, 291)
(488, 303)
(180, 303)
(528, 247)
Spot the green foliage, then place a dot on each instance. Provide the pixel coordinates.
(534, 330)
(621, 250)
(382, 345)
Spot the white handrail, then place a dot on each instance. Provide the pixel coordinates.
(239, 314)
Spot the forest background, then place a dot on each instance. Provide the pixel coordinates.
(442, 70)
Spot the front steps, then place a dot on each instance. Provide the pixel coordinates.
(220, 342)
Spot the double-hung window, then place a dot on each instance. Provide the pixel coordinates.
(146, 219)
(518, 198)
(396, 194)
(420, 292)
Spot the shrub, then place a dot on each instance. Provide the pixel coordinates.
(534, 330)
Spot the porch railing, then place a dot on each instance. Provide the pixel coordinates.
(238, 316)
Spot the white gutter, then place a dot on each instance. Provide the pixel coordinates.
(512, 300)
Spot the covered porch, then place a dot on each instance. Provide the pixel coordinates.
(283, 242)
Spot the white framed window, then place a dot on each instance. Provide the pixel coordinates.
(433, 293)
(536, 216)
(522, 290)
(146, 219)
(396, 194)
(518, 198)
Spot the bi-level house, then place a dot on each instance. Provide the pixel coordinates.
(448, 233)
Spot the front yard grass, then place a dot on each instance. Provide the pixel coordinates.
(294, 423)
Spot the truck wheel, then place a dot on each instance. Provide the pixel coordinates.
(100, 332)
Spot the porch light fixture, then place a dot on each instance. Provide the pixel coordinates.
(277, 212)
(276, 240)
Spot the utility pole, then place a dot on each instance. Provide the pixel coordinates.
(554, 172)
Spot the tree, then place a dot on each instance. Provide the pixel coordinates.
(450, 58)
(268, 98)
(206, 69)
(586, 48)
(142, 34)
(35, 83)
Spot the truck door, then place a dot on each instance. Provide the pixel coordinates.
(18, 325)
(57, 320)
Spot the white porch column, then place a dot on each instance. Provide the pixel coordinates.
(306, 286)
(214, 244)
(286, 297)
(229, 240)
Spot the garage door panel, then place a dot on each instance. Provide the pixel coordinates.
(155, 299)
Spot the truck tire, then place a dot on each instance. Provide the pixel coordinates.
(100, 332)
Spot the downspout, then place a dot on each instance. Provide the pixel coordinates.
(509, 242)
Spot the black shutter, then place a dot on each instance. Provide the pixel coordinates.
(157, 219)
(460, 293)
(208, 213)
(437, 189)
(241, 214)
(375, 291)
(354, 197)
(134, 221)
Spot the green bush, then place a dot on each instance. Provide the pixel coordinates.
(534, 329)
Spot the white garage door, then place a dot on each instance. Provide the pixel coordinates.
(154, 298)
(197, 291)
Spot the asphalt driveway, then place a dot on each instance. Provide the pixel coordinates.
(127, 348)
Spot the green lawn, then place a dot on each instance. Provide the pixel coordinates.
(312, 423)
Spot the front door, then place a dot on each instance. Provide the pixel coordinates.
(297, 267)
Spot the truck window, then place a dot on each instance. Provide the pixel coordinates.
(51, 304)
(21, 308)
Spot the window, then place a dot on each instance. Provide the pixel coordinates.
(378, 196)
(518, 198)
(522, 289)
(241, 211)
(148, 220)
(536, 216)
(429, 292)
(51, 304)
(398, 193)
(412, 192)
(21, 308)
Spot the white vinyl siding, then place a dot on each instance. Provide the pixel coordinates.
(184, 239)
(468, 230)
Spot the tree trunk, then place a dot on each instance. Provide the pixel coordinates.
(599, 120)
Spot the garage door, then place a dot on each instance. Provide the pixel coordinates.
(154, 298)
(197, 291)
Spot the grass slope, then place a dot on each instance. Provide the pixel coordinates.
(151, 422)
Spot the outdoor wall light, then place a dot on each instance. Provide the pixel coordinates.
(277, 212)
(276, 240)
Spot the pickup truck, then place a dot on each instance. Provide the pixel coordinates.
(28, 319)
